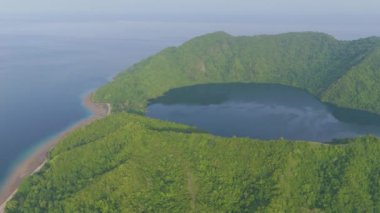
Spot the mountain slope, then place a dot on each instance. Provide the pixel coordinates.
(312, 61)
(131, 163)
(359, 87)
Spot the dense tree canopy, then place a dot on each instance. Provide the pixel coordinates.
(130, 163)
(344, 73)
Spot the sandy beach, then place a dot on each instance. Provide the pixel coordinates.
(36, 161)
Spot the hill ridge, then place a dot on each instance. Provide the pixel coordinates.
(312, 61)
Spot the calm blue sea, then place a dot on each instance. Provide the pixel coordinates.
(48, 63)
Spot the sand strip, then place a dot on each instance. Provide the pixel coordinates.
(36, 161)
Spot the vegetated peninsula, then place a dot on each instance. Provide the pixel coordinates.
(131, 163)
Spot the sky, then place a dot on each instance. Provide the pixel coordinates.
(315, 7)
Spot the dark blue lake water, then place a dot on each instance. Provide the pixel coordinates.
(49, 62)
(263, 111)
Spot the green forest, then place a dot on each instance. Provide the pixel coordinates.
(127, 162)
(130, 163)
(343, 73)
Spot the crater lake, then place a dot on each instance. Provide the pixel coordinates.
(262, 111)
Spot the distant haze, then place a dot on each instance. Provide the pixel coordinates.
(353, 7)
(345, 19)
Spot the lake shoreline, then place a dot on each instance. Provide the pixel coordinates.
(37, 160)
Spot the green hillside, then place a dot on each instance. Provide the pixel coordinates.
(343, 73)
(130, 163)
(360, 86)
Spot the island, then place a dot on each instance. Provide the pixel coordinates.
(127, 162)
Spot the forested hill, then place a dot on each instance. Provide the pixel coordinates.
(130, 163)
(344, 73)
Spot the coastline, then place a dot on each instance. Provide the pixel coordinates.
(37, 160)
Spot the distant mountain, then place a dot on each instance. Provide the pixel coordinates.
(343, 73)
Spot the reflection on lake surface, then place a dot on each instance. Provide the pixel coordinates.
(264, 111)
